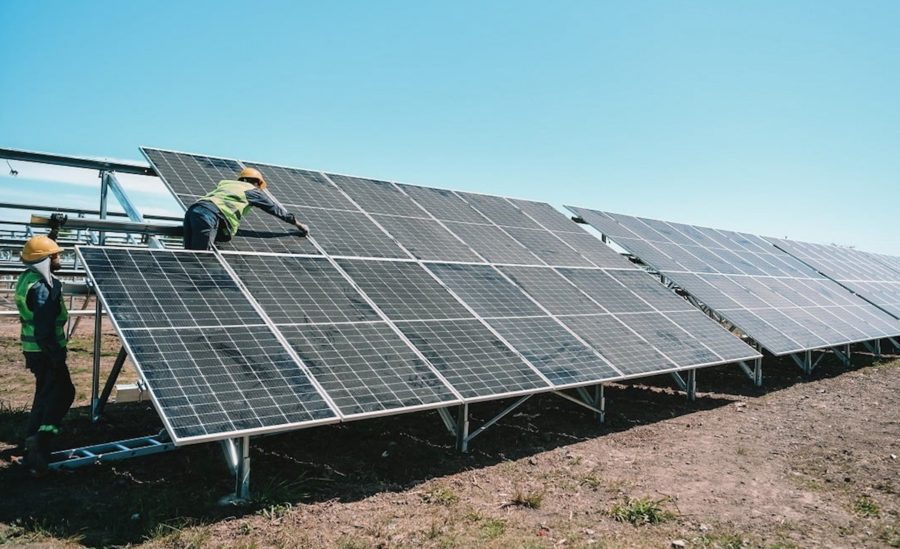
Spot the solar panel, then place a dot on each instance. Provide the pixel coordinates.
(426, 239)
(404, 290)
(775, 299)
(474, 361)
(168, 290)
(191, 174)
(213, 368)
(300, 290)
(559, 355)
(377, 197)
(485, 290)
(367, 367)
(868, 275)
(549, 288)
(631, 354)
(296, 187)
(493, 244)
(443, 204)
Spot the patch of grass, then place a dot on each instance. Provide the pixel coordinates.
(493, 528)
(865, 506)
(180, 534)
(528, 500)
(722, 541)
(641, 511)
(440, 495)
(275, 511)
(741, 451)
(890, 535)
(783, 545)
(36, 531)
(592, 481)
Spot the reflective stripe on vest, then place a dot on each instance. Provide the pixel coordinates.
(231, 199)
(26, 281)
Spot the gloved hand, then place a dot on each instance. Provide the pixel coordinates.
(303, 229)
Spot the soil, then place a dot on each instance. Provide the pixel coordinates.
(802, 462)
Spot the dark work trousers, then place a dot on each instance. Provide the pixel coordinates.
(201, 228)
(53, 391)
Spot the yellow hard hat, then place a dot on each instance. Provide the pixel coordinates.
(39, 247)
(255, 174)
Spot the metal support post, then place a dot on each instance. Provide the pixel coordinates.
(237, 455)
(95, 379)
(804, 363)
(104, 194)
(97, 410)
(692, 384)
(843, 356)
(462, 428)
(753, 372)
(895, 343)
(600, 401)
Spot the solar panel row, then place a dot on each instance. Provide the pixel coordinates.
(874, 277)
(777, 300)
(424, 297)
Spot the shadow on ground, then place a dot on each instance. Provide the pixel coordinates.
(137, 499)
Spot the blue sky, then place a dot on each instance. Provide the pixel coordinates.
(776, 118)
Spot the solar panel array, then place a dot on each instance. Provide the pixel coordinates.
(211, 364)
(777, 300)
(407, 297)
(873, 277)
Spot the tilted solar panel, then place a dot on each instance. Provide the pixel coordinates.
(777, 300)
(214, 369)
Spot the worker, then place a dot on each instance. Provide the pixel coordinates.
(43, 315)
(217, 215)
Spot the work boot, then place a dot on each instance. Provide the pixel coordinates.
(37, 454)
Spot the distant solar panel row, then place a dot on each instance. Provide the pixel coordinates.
(874, 277)
(426, 297)
(772, 297)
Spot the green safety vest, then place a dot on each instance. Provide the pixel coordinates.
(26, 281)
(231, 199)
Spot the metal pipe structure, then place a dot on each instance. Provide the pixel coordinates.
(123, 166)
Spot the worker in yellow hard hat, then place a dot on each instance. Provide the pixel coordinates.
(43, 315)
(217, 215)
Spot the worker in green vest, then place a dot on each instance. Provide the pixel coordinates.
(43, 315)
(217, 215)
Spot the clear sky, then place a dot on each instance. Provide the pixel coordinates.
(776, 118)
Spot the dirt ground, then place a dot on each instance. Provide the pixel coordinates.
(800, 463)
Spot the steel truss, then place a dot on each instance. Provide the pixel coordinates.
(459, 426)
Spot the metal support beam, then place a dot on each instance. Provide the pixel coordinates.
(689, 385)
(843, 356)
(95, 378)
(895, 343)
(130, 209)
(142, 227)
(587, 403)
(111, 451)
(104, 199)
(805, 363)
(462, 428)
(97, 411)
(448, 420)
(753, 372)
(76, 161)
